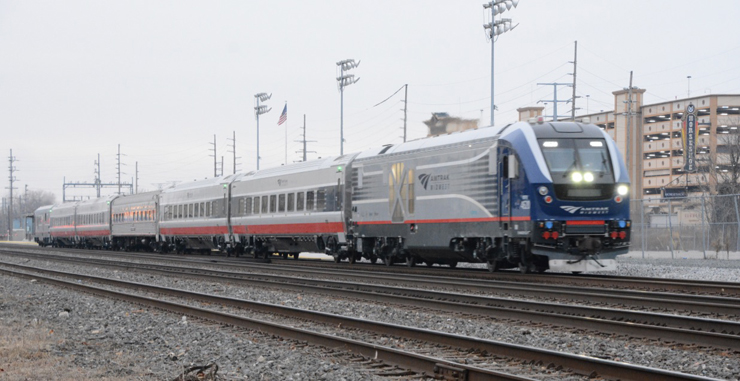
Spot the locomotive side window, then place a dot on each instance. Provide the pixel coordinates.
(190, 208)
(256, 205)
(291, 201)
(281, 203)
(208, 209)
(273, 203)
(299, 201)
(309, 200)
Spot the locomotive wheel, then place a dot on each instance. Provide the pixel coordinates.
(352, 259)
(453, 265)
(429, 264)
(373, 259)
(284, 255)
(388, 261)
(295, 256)
(337, 258)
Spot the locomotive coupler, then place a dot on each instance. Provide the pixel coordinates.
(587, 257)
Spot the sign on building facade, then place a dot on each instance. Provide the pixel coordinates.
(689, 139)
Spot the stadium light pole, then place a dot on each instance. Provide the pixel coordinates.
(496, 28)
(343, 81)
(259, 110)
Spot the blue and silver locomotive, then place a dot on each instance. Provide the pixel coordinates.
(536, 196)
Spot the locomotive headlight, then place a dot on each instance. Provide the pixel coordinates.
(623, 190)
(542, 190)
(577, 177)
(589, 177)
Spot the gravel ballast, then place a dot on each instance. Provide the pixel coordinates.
(166, 342)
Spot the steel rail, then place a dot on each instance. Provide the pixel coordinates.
(687, 330)
(731, 289)
(580, 364)
(641, 299)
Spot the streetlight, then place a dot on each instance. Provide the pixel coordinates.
(688, 77)
(259, 110)
(343, 81)
(497, 27)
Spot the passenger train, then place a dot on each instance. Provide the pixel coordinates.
(532, 195)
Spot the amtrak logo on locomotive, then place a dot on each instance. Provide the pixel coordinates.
(435, 180)
(584, 210)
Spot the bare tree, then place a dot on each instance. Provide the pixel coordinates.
(24, 205)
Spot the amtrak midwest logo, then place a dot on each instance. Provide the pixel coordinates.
(584, 210)
(434, 182)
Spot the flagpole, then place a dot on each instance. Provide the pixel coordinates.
(286, 136)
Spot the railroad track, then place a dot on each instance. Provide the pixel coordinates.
(661, 301)
(681, 286)
(472, 358)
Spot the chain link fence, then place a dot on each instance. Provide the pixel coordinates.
(707, 225)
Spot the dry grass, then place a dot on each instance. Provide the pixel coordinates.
(26, 355)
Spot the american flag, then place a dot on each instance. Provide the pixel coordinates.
(284, 115)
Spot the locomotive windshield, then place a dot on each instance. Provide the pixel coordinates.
(580, 168)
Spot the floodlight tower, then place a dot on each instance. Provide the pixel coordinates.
(343, 81)
(496, 28)
(259, 110)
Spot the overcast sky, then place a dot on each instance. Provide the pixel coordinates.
(160, 78)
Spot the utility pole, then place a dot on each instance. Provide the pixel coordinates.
(259, 110)
(344, 81)
(405, 105)
(573, 99)
(304, 141)
(629, 127)
(222, 165)
(118, 167)
(555, 116)
(497, 27)
(12, 170)
(233, 149)
(98, 181)
(215, 158)
(136, 187)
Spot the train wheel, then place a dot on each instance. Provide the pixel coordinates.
(410, 261)
(337, 258)
(295, 255)
(388, 261)
(373, 259)
(284, 255)
(453, 265)
(352, 259)
(429, 264)
(493, 266)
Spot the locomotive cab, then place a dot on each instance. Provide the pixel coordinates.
(580, 212)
